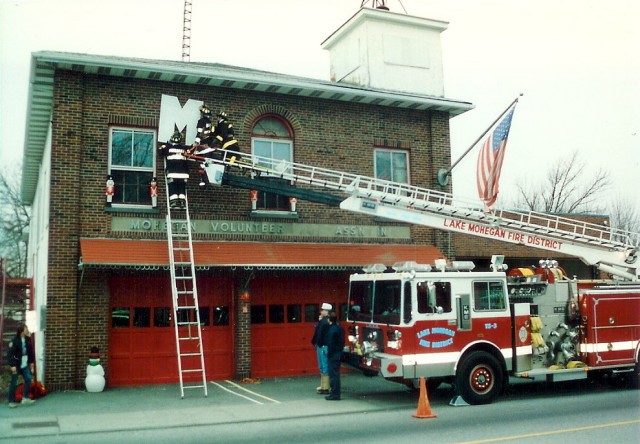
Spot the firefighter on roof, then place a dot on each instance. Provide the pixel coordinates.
(177, 169)
(224, 138)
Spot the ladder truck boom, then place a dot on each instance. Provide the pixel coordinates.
(591, 245)
(611, 250)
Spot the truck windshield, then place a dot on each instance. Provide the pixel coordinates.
(375, 301)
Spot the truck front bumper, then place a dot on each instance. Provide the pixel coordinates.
(386, 365)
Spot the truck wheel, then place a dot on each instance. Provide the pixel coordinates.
(634, 382)
(479, 378)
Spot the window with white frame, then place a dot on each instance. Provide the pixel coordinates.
(271, 139)
(392, 165)
(132, 164)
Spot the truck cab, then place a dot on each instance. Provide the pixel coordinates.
(418, 321)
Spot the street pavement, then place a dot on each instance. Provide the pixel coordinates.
(161, 406)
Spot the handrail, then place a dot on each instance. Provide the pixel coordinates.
(432, 201)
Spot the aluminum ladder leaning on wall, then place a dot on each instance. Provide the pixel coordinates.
(186, 313)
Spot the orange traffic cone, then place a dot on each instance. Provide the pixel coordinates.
(424, 409)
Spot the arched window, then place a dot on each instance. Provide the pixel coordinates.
(272, 138)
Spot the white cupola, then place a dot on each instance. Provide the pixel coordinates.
(380, 49)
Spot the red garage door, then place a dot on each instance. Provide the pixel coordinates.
(142, 348)
(283, 314)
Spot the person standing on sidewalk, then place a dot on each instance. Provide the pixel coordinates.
(317, 340)
(335, 344)
(21, 360)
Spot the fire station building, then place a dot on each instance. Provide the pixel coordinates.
(265, 262)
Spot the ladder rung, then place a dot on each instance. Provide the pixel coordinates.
(181, 249)
(185, 307)
(192, 370)
(192, 386)
(188, 323)
(190, 354)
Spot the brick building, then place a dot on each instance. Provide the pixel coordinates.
(100, 272)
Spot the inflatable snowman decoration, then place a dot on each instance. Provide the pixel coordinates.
(94, 382)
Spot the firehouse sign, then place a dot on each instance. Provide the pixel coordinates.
(443, 337)
(272, 229)
(502, 234)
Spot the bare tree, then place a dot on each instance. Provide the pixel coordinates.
(568, 189)
(625, 216)
(14, 222)
(565, 189)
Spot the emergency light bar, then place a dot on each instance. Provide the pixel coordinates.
(411, 266)
(462, 265)
(375, 268)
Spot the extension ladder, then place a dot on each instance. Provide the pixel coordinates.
(186, 313)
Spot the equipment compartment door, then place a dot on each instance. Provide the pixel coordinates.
(614, 326)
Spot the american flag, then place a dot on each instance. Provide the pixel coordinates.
(490, 160)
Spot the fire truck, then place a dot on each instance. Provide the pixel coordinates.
(448, 323)
(475, 329)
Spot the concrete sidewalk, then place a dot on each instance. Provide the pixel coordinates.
(151, 407)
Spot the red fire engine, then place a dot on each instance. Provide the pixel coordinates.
(446, 322)
(474, 329)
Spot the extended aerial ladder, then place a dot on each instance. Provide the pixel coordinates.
(611, 250)
(186, 314)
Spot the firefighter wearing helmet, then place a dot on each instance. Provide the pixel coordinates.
(204, 136)
(224, 139)
(203, 145)
(177, 171)
(205, 119)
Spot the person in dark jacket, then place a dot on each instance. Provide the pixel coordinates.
(203, 145)
(317, 341)
(335, 344)
(177, 170)
(21, 360)
(224, 138)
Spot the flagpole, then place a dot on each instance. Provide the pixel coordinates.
(443, 173)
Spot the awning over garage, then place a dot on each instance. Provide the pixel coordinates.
(154, 254)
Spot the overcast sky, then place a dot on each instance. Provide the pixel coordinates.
(576, 62)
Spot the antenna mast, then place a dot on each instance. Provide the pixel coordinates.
(381, 4)
(376, 4)
(186, 32)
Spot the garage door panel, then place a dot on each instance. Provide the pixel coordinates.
(147, 354)
(281, 346)
(120, 342)
(119, 365)
(141, 371)
(218, 365)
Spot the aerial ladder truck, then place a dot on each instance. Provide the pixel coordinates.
(447, 323)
